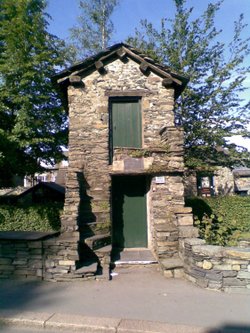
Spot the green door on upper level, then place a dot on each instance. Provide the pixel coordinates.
(126, 123)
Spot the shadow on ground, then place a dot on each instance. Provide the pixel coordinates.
(230, 328)
(16, 296)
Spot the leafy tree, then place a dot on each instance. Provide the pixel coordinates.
(94, 28)
(210, 108)
(32, 121)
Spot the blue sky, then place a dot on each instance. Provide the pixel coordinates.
(128, 14)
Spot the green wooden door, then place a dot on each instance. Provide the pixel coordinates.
(129, 212)
(126, 124)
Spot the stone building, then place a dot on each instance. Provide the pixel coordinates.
(124, 187)
(221, 181)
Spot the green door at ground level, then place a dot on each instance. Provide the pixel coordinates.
(129, 227)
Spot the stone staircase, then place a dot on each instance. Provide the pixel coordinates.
(169, 238)
(172, 267)
(94, 254)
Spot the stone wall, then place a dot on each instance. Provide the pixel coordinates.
(242, 184)
(54, 259)
(216, 267)
(89, 173)
(88, 187)
(171, 221)
(190, 183)
(21, 259)
(223, 181)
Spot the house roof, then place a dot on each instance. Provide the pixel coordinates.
(51, 185)
(242, 172)
(12, 191)
(122, 51)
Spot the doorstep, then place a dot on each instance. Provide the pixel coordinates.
(133, 256)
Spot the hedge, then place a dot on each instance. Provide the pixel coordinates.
(35, 217)
(221, 220)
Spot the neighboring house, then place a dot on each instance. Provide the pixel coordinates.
(222, 181)
(124, 182)
(242, 181)
(40, 193)
(56, 174)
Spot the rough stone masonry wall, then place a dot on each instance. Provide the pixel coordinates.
(87, 205)
(172, 222)
(51, 260)
(21, 259)
(223, 181)
(216, 267)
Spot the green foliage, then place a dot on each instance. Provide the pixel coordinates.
(209, 109)
(35, 217)
(94, 28)
(137, 153)
(221, 220)
(32, 120)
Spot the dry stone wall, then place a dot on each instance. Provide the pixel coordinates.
(54, 259)
(223, 181)
(21, 259)
(216, 267)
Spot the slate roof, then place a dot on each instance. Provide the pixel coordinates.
(51, 185)
(114, 52)
(241, 172)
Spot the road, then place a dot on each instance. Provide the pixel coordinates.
(135, 294)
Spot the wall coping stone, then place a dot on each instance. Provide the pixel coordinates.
(195, 241)
(236, 252)
(27, 235)
(208, 250)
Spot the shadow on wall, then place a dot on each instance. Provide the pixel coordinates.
(85, 214)
(199, 207)
(84, 219)
(225, 189)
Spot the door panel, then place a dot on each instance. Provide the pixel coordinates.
(129, 212)
(126, 124)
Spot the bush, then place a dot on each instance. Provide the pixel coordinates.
(221, 220)
(35, 217)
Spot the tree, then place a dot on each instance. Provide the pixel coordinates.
(94, 29)
(210, 108)
(32, 120)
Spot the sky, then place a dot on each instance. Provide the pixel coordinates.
(128, 14)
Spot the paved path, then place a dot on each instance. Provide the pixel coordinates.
(134, 296)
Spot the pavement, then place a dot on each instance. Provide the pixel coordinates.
(137, 299)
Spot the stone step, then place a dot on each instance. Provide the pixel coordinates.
(171, 263)
(188, 232)
(134, 257)
(87, 268)
(105, 250)
(98, 241)
(172, 267)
